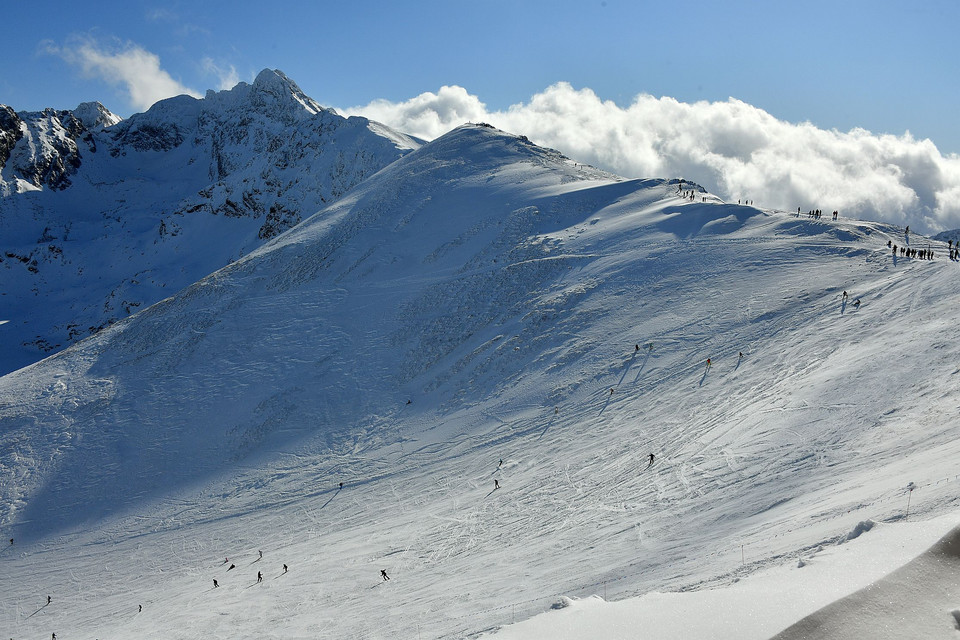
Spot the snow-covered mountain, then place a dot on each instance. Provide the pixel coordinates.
(100, 217)
(483, 310)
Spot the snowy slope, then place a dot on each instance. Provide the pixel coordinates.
(99, 218)
(479, 300)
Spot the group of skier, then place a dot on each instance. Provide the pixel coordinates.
(226, 560)
(907, 252)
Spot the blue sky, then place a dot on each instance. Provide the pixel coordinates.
(884, 66)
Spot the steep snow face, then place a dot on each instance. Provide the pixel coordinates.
(100, 217)
(480, 299)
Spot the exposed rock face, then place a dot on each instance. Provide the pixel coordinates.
(117, 214)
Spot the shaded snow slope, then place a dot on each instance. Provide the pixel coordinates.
(481, 299)
(101, 217)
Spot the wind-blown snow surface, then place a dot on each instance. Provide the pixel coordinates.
(480, 299)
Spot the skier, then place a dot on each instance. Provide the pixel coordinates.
(341, 485)
(636, 347)
(611, 391)
(259, 577)
(261, 554)
(49, 599)
(496, 484)
(709, 364)
(651, 459)
(501, 463)
(215, 585)
(284, 568)
(844, 295)
(232, 566)
(856, 303)
(11, 541)
(139, 608)
(383, 574)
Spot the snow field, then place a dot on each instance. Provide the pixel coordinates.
(502, 295)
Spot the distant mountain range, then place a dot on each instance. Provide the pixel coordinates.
(101, 216)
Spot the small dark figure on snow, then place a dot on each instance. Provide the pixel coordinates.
(11, 540)
(259, 577)
(501, 463)
(284, 568)
(261, 553)
(215, 583)
(341, 485)
(740, 357)
(139, 608)
(232, 566)
(709, 364)
(636, 347)
(496, 484)
(651, 459)
(383, 574)
(53, 636)
(49, 599)
(856, 303)
(611, 391)
(409, 401)
(844, 295)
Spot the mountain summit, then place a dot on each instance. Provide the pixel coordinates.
(100, 217)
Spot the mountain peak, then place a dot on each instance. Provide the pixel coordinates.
(273, 88)
(94, 115)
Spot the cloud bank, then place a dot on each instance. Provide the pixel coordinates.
(735, 150)
(124, 64)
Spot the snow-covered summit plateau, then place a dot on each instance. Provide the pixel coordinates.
(482, 313)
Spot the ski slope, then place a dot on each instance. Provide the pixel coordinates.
(483, 299)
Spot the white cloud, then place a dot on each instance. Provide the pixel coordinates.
(227, 78)
(125, 64)
(732, 148)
